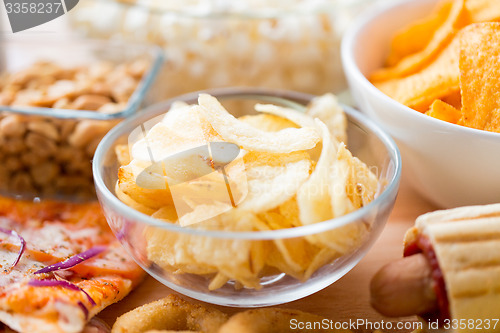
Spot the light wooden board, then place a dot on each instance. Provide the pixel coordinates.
(346, 299)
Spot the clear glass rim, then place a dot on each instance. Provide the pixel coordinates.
(134, 101)
(287, 98)
(358, 27)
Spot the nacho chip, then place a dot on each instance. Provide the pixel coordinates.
(250, 138)
(454, 99)
(479, 76)
(439, 79)
(443, 111)
(483, 10)
(417, 36)
(457, 18)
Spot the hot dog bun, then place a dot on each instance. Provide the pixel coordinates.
(467, 245)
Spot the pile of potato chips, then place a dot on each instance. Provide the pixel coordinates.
(446, 64)
(293, 169)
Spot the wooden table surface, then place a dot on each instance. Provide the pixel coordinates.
(346, 299)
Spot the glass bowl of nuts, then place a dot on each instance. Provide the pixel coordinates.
(57, 100)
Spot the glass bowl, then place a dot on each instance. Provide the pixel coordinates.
(47, 137)
(365, 140)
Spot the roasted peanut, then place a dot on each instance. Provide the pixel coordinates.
(41, 145)
(7, 97)
(100, 88)
(52, 155)
(71, 182)
(62, 88)
(21, 183)
(87, 130)
(12, 126)
(137, 68)
(90, 102)
(92, 146)
(63, 103)
(13, 163)
(66, 127)
(44, 128)
(78, 164)
(29, 158)
(13, 145)
(112, 107)
(44, 173)
(123, 89)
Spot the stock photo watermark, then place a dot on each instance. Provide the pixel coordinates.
(26, 14)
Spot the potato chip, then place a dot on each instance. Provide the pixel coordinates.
(122, 154)
(285, 189)
(248, 137)
(444, 111)
(454, 99)
(181, 129)
(236, 259)
(360, 184)
(416, 36)
(479, 76)
(166, 213)
(352, 186)
(273, 178)
(292, 115)
(290, 211)
(456, 19)
(327, 109)
(439, 79)
(131, 202)
(313, 197)
(305, 120)
(152, 198)
(218, 281)
(267, 122)
(289, 255)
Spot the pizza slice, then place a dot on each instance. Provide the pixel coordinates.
(59, 265)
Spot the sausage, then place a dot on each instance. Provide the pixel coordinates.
(404, 288)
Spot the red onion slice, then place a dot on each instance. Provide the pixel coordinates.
(59, 283)
(73, 260)
(84, 309)
(21, 240)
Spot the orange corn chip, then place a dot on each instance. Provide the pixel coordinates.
(454, 99)
(457, 18)
(439, 79)
(479, 76)
(444, 111)
(483, 10)
(415, 37)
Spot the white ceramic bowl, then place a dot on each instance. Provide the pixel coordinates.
(449, 164)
